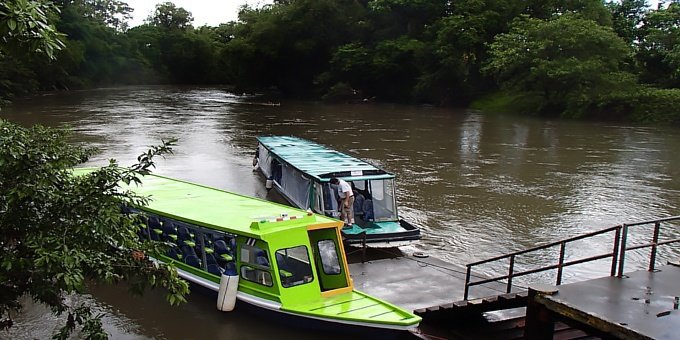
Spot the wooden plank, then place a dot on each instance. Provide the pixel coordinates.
(432, 309)
(475, 302)
(508, 296)
(446, 306)
(490, 299)
(460, 304)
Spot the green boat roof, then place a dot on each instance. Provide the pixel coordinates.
(218, 209)
(320, 161)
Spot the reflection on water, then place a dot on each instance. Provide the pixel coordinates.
(480, 185)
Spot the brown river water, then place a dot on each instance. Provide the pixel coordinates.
(479, 184)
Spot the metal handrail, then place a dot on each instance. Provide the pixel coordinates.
(617, 254)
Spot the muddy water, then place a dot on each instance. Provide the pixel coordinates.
(479, 185)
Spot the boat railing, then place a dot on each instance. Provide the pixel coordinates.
(619, 242)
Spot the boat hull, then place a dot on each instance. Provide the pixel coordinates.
(274, 312)
(385, 240)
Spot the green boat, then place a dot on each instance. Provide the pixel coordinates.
(274, 257)
(301, 171)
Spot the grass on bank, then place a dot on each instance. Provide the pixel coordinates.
(642, 105)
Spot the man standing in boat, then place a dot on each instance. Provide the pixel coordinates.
(346, 200)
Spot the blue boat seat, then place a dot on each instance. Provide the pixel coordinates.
(358, 204)
(214, 269)
(143, 231)
(154, 236)
(188, 251)
(193, 261)
(169, 231)
(155, 225)
(222, 250)
(230, 269)
(261, 258)
(368, 210)
(174, 253)
(208, 240)
(184, 236)
(210, 259)
(207, 243)
(284, 270)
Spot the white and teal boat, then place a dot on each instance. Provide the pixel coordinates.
(301, 170)
(280, 259)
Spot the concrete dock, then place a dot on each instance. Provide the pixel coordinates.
(415, 283)
(640, 305)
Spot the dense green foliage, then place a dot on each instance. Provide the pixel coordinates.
(569, 62)
(24, 25)
(587, 56)
(59, 231)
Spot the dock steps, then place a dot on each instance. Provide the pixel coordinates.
(474, 306)
(509, 329)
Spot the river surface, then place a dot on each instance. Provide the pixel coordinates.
(479, 184)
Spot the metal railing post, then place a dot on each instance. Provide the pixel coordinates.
(511, 270)
(622, 250)
(615, 251)
(560, 262)
(655, 240)
(363, 247)
(618, 255)
(467, 282)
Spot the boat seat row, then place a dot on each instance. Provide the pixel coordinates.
(189, 256)
(186, 245)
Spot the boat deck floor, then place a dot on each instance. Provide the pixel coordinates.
(641, 305)
(412, 282)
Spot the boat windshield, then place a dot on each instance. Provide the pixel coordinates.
(374, 200)
(377, 199)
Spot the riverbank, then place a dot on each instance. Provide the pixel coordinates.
(647, 106)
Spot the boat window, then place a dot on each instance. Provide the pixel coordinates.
(256, 275)
(329, 257)
(255, 256)
(296, 186)
(202, 248)
(220, 251)
(330, 200)
(294, 266)
(382, 202)
(318, 191)
(256, 265)
(277, 171)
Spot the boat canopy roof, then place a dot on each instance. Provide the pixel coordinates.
(218, 209)
(320, 161)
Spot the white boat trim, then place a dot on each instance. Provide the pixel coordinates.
(385, 244)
